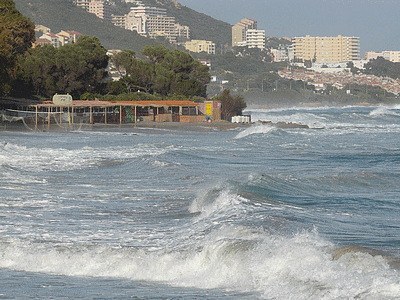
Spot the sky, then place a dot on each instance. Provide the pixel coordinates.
(376, 23)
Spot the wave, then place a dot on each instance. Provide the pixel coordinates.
(255, 129)
(61, 159)
(226, 243)
(232, 257)
(301, 118)
(383, 111)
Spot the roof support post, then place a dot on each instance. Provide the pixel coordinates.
(48, 117)
(36, 117)
(120, 115)
(135, 115)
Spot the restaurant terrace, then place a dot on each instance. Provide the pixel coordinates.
(40, 113)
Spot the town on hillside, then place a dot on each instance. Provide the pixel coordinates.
(325, 58)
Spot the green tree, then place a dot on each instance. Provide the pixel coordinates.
(230, 105)
(383, 67)
(165, 72)
(37, 73)
(16, 37)
(73, 68)
(81, 66)
(136, 74)
(177, 72)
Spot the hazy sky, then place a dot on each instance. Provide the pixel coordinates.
(376, 23)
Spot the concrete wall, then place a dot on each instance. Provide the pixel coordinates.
(192, 119)
(164, 118)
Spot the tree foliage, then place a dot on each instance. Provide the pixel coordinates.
(383, 67)
(73, 68)
(165, 72)
(230, 105)
(16, 36)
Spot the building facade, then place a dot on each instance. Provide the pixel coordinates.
(83, 3)
(153, 22)
(200, 46)
(239, 31)
(118, 20)
(326, 49)
(255, 38)
(149, 11)
(101, 9)
(393, 56)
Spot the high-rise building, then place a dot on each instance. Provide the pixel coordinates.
(239, 31)
(118, 20)
(161, 26)
(326, 49)
(153, 21)
(255, 38)
(101, 9)
(149, 11)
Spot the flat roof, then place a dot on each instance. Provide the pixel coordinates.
(98, 103)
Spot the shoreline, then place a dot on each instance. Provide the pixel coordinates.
(195, 127)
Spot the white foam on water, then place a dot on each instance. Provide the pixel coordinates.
(255, 129)
(383, 111)
(212, 252)
(61, 159)
(231, 257)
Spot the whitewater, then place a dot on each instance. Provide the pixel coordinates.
(254, 212)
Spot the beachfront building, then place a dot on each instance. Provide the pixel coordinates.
(239, 31)
(41, 114)
(326, 49)
(200, 46)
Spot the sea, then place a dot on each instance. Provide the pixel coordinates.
(249, 212)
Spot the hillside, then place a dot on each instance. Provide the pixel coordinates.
(63, 15)
(202, 27)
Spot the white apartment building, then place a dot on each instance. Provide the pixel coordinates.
(136, 2)
(153, 21)
(149, 11)
(255, 38)
(135, 23)
(239, 31)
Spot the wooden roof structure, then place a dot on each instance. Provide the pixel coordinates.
(98, 103)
